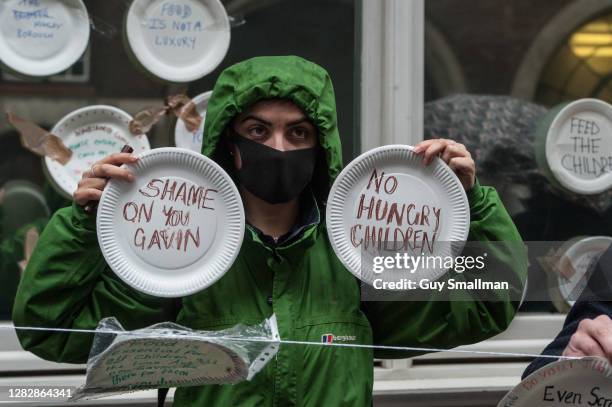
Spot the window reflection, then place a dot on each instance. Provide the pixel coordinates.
(581, 67)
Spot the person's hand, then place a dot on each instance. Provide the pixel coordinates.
(592, 338)
(452, 153)
(94, 180)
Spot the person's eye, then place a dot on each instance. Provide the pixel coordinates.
(301, 133)
(256, 132)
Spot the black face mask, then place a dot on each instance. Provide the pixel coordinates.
(272, 175)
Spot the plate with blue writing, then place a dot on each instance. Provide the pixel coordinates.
(184, 138)
(177, 41)
(387, 202)
(91, 133)
(177, 228)
(42, 37)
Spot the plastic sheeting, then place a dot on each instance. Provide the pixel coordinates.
(170, 355)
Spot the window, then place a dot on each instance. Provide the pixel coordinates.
(581, 67)
(498, 51)
(322, 31)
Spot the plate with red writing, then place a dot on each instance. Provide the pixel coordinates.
(387, 203)
(567, 382)
(91, 133)
(177, 41)
(42, 37)
(177, 228)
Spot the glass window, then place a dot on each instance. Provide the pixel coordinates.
(499, 50)
(581, 67)
(322, 31)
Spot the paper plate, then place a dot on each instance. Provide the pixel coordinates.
(184, 138)
(579, 146)
(42, 37)
(21, 202)
(148, 363)
(553, 274)
(92, 133)
(394, 174)
(176, 229)
(578, 257)
(178, 41)
(580, 382)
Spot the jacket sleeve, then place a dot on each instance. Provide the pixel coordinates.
(67, 284)
(581, 310)
(594, 301)
(11, 253)
(558, 345)
(447, 319)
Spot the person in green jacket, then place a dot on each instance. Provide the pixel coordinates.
(278, 112)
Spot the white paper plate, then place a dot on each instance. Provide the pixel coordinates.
(178, 41)
(579, 256)
(184, 138)
(137, 241)
(579, 147)
(435, 187)
(42, 37)
(564, 383)
(92, 133)
(22, 202)
(147, 363)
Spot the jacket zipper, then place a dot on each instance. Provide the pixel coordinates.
(275, 254)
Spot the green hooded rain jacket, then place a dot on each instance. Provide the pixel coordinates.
(68, 284)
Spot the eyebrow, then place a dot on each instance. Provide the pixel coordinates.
(253, 117)
(298, 121)
(259, 119)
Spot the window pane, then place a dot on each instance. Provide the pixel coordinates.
(322, 31)
(517, 60)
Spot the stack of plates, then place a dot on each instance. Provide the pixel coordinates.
(42, 37)
(91, 133)
(184, 138)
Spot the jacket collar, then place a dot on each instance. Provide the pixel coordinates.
(309, 215)
(298, 239)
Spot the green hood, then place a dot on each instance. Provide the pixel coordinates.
(286, 77)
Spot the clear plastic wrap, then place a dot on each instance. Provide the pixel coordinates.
(170, 355)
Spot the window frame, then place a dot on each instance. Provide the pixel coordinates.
(390, 111)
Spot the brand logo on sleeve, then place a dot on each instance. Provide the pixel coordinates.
(330, 338)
